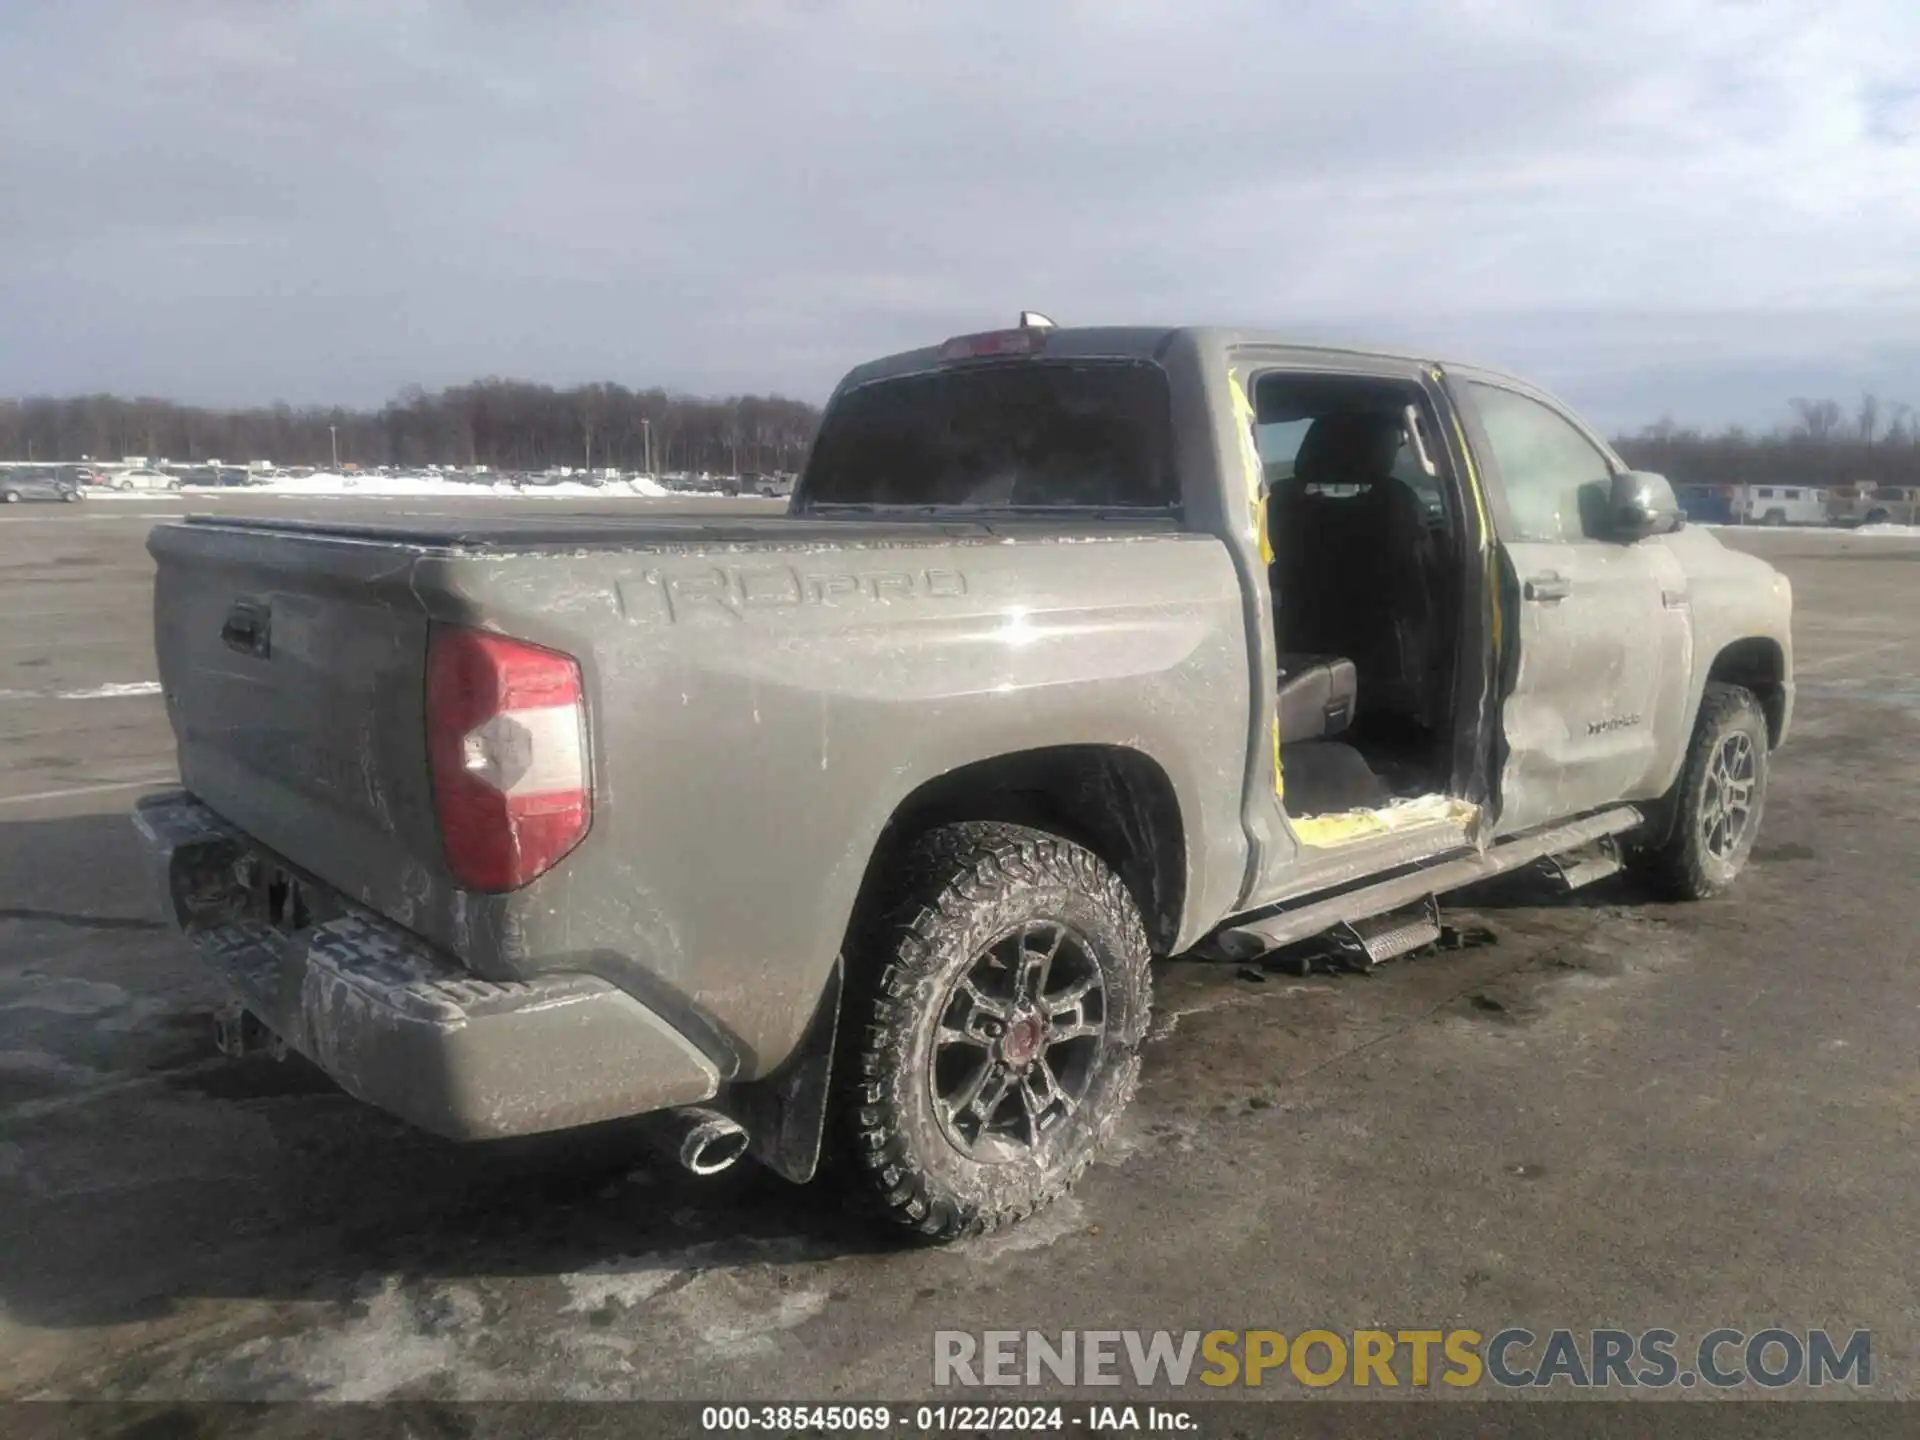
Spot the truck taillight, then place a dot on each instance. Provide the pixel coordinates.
(1025, 341)
(507, 746)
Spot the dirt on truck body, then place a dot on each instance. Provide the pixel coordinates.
(860, 827)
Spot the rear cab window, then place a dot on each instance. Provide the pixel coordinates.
(1027, 434)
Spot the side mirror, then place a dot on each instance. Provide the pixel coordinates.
(1640, 504)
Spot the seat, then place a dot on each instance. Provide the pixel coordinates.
(1316, 703)
(1317, 696)
(1353, 573)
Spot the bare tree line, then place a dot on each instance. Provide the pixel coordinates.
(518, 425)
(1823, 444)
(503, 424)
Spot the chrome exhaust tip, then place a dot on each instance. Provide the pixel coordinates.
(703, 1141)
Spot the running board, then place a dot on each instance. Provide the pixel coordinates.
(1386, 937)
(1251, 938)
(1578, 868)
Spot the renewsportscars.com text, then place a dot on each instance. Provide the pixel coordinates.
(1513, 1358)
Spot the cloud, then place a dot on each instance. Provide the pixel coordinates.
(1661, 204)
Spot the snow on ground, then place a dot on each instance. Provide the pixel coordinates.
(116, 690)
(1839, 532)
(327, 483)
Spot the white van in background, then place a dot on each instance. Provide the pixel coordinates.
(1780, 505)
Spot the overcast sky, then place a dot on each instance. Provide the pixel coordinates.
(1700, 207)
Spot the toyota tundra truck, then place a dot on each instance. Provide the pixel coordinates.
(855, 832)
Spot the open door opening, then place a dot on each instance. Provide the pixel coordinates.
(1369, 540)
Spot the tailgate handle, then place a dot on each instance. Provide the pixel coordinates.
(247, 629)
(1549, 587)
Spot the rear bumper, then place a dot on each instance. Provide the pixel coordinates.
(397, 1023)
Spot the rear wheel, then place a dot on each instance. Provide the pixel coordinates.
(1716, 804)
(996, 1041)
(9, 497)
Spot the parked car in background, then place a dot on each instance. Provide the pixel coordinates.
(142, 480)
(18, 485)
(1708, 504)
(1875, 505)
(1780, 505)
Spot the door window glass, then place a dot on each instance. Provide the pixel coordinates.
(1556, 481)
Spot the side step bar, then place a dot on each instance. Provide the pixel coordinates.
(1579, 868)
(1398, 932)
(1269, 932)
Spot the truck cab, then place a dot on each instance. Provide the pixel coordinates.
(1465, 615)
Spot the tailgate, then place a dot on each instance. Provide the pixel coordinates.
(294, 671)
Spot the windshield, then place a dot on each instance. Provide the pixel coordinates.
(1029, 434)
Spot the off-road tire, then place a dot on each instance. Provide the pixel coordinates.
(961, 889)
(1683, 867)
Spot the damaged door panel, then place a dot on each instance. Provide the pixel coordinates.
(1601, 649)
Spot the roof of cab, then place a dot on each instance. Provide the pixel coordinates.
(1146, 342)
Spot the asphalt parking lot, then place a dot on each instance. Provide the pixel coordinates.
(1619, 1113)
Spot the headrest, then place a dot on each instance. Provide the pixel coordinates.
(1351, 448)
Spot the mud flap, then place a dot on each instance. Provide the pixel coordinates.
(785, 1114)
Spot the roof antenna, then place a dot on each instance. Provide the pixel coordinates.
(1034, 320)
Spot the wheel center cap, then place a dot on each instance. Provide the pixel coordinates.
(1022, 1040)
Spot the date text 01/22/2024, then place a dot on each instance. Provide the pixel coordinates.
(937, 1419)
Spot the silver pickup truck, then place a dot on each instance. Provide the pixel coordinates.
(854, 831)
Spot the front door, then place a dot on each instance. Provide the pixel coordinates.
(1598, 635)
